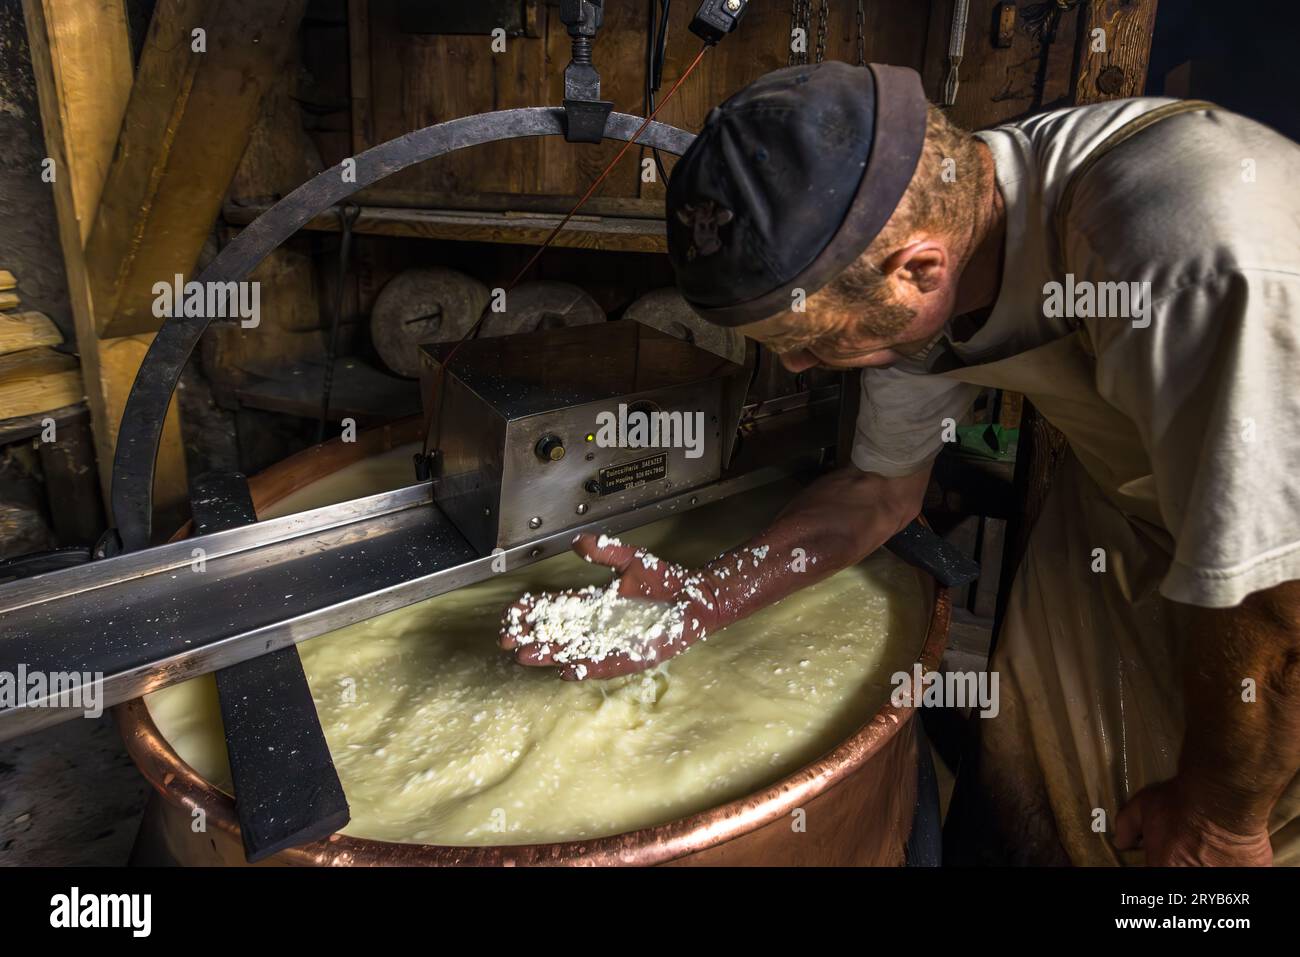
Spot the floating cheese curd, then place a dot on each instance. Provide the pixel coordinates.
(591, 624)
(441, 738)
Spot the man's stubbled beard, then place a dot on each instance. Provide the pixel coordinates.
(864, 293)
(885, 320)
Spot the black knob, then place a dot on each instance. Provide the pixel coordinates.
(592, 486)
(550, 448)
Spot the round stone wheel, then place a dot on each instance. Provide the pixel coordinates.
(423, 305)
(665, 309)
(542, 304)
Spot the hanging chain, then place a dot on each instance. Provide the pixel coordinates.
(800, 18)
(794, 24)
(862, 34)
(823, 16)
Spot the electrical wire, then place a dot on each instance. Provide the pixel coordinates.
(656, 52)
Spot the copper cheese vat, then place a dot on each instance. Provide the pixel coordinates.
(858, 800)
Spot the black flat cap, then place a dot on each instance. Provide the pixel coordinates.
(788, 182)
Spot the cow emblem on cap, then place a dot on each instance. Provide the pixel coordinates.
(704, 221)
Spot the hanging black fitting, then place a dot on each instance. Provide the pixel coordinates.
(585, 112)
(716, 18)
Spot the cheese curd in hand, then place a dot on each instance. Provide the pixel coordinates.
(440, 738)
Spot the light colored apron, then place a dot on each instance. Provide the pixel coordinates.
(1090, 670)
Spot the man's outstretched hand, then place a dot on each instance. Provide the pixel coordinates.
(640, 575)
(835, 522)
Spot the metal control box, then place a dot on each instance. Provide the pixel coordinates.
(540, 432)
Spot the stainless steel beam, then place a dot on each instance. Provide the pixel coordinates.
(155, 617)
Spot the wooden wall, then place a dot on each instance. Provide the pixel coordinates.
(401, 82)
(411, 81)
(364, 81)
(370, 82)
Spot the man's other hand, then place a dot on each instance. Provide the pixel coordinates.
(1166, 821)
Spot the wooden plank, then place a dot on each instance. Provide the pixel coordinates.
(81, 59)
(36, 381)
(68, 464)
(611, 206)
(85, 66)
(581, 232)
(21, 427)
(359, 74)
(9, 300)
(418, 80)
(412, 81)
(183, 133)
(1121, 70)
(27, 330)
(7, 280)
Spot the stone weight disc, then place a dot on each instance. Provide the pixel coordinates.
(666, 310)
(542, 304)
(423, 305)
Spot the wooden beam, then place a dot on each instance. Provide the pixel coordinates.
(81, 58)
(581, 232)
(1121, 69)
(27, 330)
(359, 74)
(631, 207)
(191, 111)
(81, 55)
(37, 381)
(68, 465)
(21, 427)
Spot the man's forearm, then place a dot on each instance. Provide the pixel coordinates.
(835, 522)
(1240, 750)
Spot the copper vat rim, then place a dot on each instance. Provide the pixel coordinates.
(180, 785)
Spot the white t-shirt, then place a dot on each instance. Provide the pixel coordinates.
(1204, 206)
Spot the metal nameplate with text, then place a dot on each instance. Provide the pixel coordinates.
(616, 478)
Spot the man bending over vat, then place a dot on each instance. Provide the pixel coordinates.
(1133, 268)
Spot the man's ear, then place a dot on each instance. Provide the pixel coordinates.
(922, 264)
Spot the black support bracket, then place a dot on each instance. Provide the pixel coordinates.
(287, 791)
(585, 112)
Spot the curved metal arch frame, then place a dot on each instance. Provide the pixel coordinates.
(146, 407)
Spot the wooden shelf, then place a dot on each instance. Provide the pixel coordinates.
(27, 330)
(21, 427)
(35, 381)
(628, 234)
